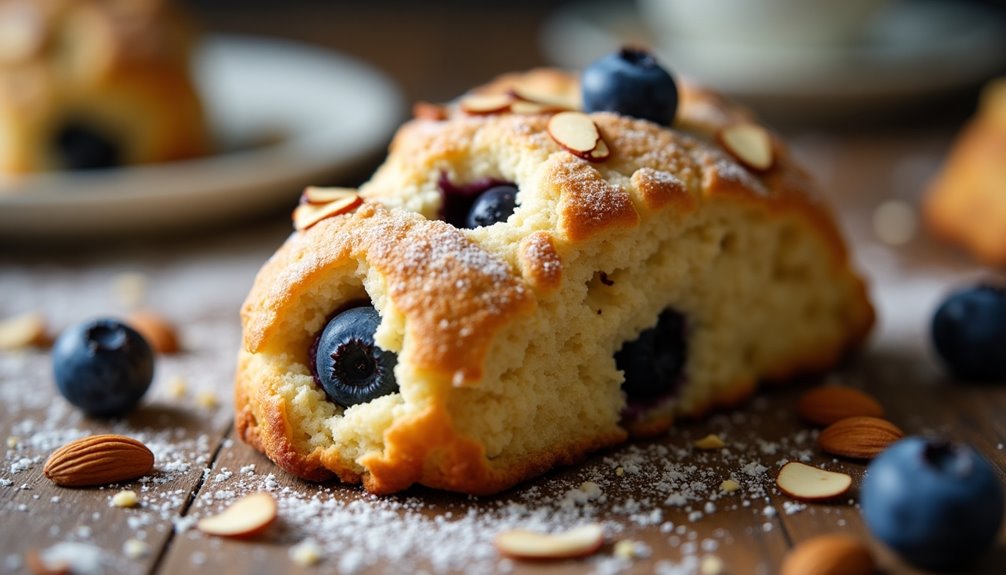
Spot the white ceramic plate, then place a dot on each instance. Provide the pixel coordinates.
(330, 111)
(909, 52)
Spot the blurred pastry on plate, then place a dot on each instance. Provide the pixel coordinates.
(967, 200)
(96, 84)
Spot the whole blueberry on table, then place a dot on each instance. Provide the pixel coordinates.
(493, 205)
(630, 82)
(938, 504)
(102, 366)
(348, 365)
(969, 333)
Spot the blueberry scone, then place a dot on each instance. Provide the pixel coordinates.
(95, 84)
(540, 269)
(967, 201)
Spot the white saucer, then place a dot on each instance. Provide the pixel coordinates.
(329, 111)
(911, 51)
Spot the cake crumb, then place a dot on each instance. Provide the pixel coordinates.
(729, 486)
(177, 387)
(125, 498)
(712, 565)
(13, 441)
(619, 471)
(130, 289)
(629, 549)
(711, 441)
(207, 399)
(306, 553)
(135, 549)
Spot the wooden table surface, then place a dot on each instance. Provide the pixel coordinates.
(199, 282)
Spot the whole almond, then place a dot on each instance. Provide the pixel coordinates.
(98, 460)
(859, 437)
(831, 403)
(156, 329)
(829, 555)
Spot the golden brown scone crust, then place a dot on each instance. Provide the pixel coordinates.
(967, 201)
(122, 67)
(457, 296)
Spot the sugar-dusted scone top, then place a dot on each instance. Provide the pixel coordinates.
(121, 67)
(967, 200)
(505, 334)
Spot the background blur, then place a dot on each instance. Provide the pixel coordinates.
(437, 49)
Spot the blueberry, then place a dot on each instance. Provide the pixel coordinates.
(937, 504)
(79, 146)
(348, 365)
(102, 366)
(493, 205)
(458, 199)
(653, 362)
(969, 333)
(630, 82)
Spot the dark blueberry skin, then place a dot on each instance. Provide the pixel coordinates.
(969, 333)
(79, 146)
(493, 205)
(938, 504)
(348, 365)
(632, 83)
(460, 199)
(103, 367)
(653, 362)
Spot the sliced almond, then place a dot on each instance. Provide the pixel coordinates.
(316, 195)
(428, 111)
(578, 134)
(807, 483)
(549, 102)
(246, 517)
(156, 329)
(481, 104)
(750, 144)
(579, 542)
(859, 437)
(307, 215)
(98, 460)
(529, 108)
(828, 404)
(829, 555)
(600, 153)
(21, 331)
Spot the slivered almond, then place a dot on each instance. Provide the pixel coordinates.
(307, 215)
(807, 483)
(835, 554)
(579, 542)
(828, 404)
(711, 441)
(578, 134)
(750, 144)
(246, 517)
(859, 437)
(98, 460)
(156, 329)
(480, 104)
